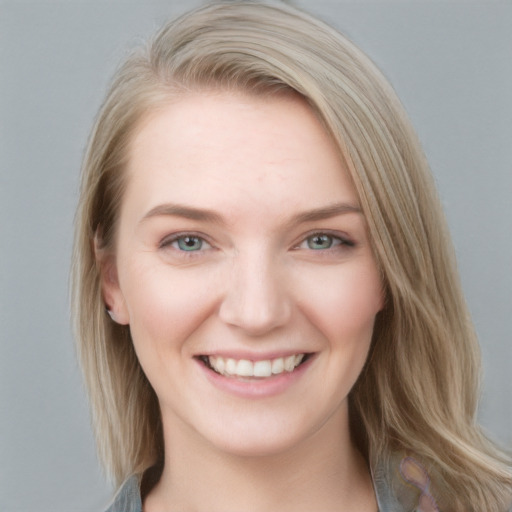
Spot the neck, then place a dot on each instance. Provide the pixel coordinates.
(326, 472)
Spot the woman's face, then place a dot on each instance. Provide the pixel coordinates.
(244, 270)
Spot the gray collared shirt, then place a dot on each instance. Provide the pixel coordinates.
(393, 492)
(128, 498)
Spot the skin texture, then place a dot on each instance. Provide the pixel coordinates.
(258, 284)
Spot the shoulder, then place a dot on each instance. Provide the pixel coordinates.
(402, 484)
(391, 495)
(127, 499)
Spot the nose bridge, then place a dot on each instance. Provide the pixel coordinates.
(256, 298)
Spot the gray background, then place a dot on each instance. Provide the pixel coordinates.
(451, 63)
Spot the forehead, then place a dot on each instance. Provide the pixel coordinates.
(213, 148)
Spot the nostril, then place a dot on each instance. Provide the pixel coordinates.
(255, 315)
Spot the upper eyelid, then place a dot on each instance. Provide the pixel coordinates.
(344, 237)
(169, 239)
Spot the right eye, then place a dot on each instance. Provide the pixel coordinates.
(186, 243)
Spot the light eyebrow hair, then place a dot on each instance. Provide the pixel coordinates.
(187, 212)
(205, 215)
(325, 212)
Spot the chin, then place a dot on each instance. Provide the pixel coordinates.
(257, 446)
(263, 435)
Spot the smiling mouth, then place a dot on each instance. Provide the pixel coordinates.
(236, 368)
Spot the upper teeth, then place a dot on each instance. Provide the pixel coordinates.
(246, 368)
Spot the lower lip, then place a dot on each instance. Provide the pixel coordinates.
(256, 388)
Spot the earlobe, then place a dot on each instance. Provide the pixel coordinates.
(111, 314)
(113, 297)
(112, 294)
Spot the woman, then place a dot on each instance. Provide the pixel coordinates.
(267, 306)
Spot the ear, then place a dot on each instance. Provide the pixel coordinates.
(110, 289)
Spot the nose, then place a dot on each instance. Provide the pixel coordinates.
(256, 297)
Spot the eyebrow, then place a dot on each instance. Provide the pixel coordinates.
(187, 212)
(205, 215)
(325, 212)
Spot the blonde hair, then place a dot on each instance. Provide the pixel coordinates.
(418, 391)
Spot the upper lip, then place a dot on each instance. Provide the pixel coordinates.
(252, 356)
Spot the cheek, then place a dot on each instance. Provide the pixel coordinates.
(166, 305)
(344, 303)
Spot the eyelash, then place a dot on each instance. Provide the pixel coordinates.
(169, 241)
(338, 242)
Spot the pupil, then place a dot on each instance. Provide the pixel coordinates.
(190, 242)
(320, 242)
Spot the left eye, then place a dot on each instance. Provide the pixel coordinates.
(189, 243)
(321, 241)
